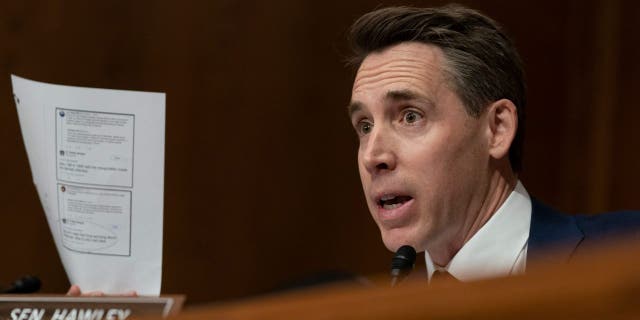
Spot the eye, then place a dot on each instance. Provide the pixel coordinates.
(364, 127)
(411, 116)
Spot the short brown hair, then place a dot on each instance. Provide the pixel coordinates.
(482, 63)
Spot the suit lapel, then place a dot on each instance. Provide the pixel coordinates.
(552, 235)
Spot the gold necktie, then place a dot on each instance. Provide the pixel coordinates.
(442, 276)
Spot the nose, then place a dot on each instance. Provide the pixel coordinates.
(378, 154)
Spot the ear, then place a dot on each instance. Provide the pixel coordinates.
(502, 116)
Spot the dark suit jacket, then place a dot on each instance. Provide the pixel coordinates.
(565, 235)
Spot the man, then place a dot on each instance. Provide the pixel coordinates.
(438, 104)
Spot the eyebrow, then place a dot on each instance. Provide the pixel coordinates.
(394, 95)
(400, 95)
(354, 106)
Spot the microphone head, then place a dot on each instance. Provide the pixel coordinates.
(27, 284)
(404, 258)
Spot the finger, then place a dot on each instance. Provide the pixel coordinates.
(74, 290)
(93, 294)
(131, 293)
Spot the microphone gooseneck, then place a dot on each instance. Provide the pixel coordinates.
(402, 264)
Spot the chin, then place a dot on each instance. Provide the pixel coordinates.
(396, 238)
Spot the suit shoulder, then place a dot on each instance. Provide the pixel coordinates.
(608, 224)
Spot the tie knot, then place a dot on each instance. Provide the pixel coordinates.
(443, 276)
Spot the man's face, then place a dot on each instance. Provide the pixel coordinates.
(423, 160)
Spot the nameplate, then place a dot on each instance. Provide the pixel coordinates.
(39, 307)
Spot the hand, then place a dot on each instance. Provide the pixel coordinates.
(74, 291)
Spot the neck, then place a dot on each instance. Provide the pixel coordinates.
(500, 185)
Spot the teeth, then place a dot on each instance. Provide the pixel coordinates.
(387, 197)
(392, 206)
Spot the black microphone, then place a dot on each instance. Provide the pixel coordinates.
(402, 263)
(26, 284)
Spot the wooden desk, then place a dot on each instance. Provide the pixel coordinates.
(602, 285)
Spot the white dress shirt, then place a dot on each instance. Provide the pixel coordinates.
(499, 248)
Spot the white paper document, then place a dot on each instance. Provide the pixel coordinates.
(97, 161)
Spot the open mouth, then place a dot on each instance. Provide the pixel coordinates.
(392, 201)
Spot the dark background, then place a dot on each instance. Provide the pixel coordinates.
(261, 182)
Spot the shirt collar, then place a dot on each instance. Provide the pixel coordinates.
(494, 249)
